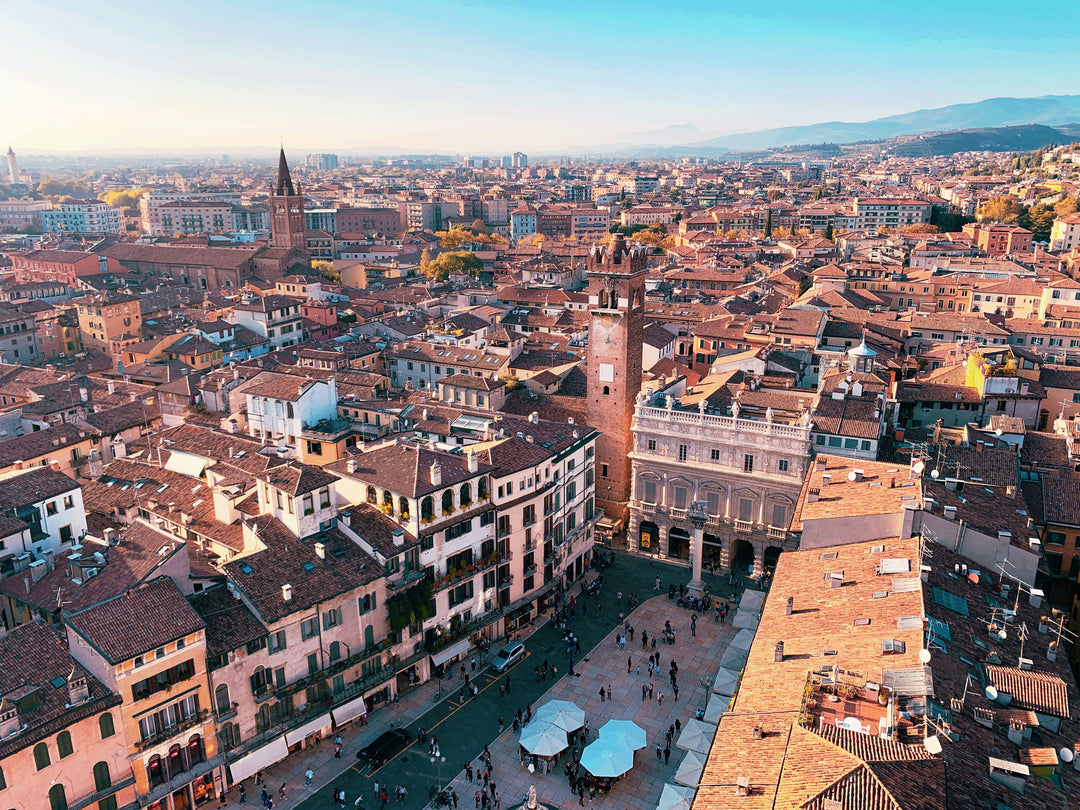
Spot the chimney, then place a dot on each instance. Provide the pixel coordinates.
(119, 449)
(111, 385)
(790, 605)
(1016, 732)
(826, 480)
(778, 652)
(473, 463)
(78, 690)
(759, 733)
(286, 592)
(84, 395)
(813, 494)
(534, 418)
(436, 474)
(742, 786)
(38, 569)
(103, 263)
(320, 550)
(350, 465)
(1035, 597)
(110, 536)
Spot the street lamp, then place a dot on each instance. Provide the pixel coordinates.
(438, 762)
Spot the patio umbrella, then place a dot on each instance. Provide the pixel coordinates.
(725, 681)
(561, 713)
(689, 773)
(717, 706)
(608, 757)
(543, 739)
(696, 736)
(743, 640)
(675, 797)
(627, 731)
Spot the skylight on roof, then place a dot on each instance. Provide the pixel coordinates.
(247, 569)
(955, 603)
(309, 566)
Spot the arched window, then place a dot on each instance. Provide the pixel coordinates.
(155, 772)
(195, 750)
(63, 744)
(465, 494)
(41, 756)
(403, 505)
(57, 798)
(427, 508)
(607, 390)
(176, 762)
(369, 636)
(448, 501)
(387, 497)
(221, 698)
(365, 605)
(335, 650)
(3, 782)
(105, 723)
(372, 495)
(481, 488)
(102, 779)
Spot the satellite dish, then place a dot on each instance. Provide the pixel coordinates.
(924, 656)
(997, 432)
(991, 692)
(918, 467)
(932, 745)
(1066, 754)
(851, 476)
(935, 474)
(1002, 635)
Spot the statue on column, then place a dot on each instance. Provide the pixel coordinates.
(702, 405)
(768, 414)
(735, 409)
(531, 803)
(670, 402)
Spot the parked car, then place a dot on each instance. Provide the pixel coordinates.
(385, 746)
(508, 656)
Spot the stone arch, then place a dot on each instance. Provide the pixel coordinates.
(648, 536)
(741, 555)
(678, 543)
(771, 557)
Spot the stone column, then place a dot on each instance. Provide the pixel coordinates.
(662, 540)
(698, 514)
(633, 534)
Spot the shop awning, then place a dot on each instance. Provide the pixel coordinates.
(349, 711)
(257, 760)
(186, 463)
(310, 727)
(446, 653)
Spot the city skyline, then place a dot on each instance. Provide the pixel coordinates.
(492, 78)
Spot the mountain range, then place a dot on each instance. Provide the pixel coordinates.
(993, 112)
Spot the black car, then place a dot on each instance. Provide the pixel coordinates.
(386, 745)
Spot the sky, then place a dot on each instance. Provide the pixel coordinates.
(495, 77)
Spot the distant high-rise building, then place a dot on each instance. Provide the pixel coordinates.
(506, 161)
(12, 166)
(286, 210)
(521, 160)
(468, 162)
(322, 162)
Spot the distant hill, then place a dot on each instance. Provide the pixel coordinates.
(983, 139)
(994, 112)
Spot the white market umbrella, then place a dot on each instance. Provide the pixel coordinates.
(627, 731)
(725, 682)
(752, 600)
(607, 758)
(675, 797)
(696, 736)
(743, 640)
(689, 773)
(734, 658)
(561, 713)
(714, 711)
(543, 739)
(745, 619)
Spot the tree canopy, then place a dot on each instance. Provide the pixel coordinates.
(123, 197)
(327, 270)
(1001, 209)
(459, 261)
(475, 234)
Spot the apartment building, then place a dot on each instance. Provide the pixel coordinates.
(888, 212)
(149, 646)
(422, 365)
(1065, 233)
(62, 266)
(997, 239)
(196, 216)
(110, 322)
(22, 213)
(274, 317)
(81, 216)
(153, 203)
(62, 742)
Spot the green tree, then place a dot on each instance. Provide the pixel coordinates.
(123, 198)
(1000, 209)
(775, 194)
(327, 270)
(459, 261)
(1065, 207)
(829, 232)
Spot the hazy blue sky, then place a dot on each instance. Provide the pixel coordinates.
(498, 76)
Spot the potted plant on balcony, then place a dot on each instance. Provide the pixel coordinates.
(386, 508)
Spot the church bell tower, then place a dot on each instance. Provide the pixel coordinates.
(616, 323)
(286, 210)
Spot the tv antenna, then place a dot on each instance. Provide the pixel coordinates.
(1061, 632)
(1023, 633)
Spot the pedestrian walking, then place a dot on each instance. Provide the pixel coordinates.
(629, 665)
(308, 776)
(502, 724)
(659, 752)
(675, 689)
(650, 689)
(644, 692)
(667, 754)
(453, 797)
(601, 694)
(678, 725)
(693, 626)
(468, 772)
(376, 786)
(243, 794)
(609, 692)
(281, 791)
(660, 699)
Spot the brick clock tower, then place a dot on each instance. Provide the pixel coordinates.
(287, 210)
(616, 322)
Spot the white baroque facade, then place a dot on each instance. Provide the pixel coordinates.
(747, 467)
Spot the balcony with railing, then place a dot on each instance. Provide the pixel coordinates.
(744, 526)
(403, 578)
(777, 533)
(365, 656)
(196, 719)
(679, 514)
